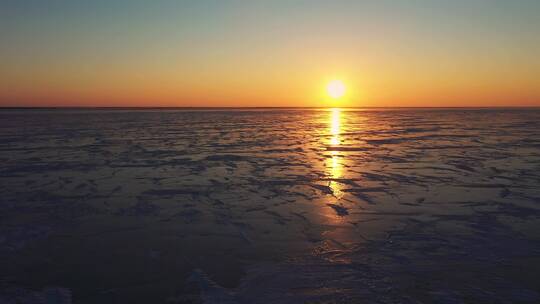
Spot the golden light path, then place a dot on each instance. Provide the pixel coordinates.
(335, 165)
(335, 128)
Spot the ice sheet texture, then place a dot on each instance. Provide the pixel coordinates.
(270, 206)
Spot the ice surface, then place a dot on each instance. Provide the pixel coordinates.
(270, 206)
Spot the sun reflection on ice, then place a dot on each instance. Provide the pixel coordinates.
(335, 165)
(335, 123)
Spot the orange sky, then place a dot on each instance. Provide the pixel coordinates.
(262, 53)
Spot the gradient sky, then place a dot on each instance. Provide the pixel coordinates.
(269, 53)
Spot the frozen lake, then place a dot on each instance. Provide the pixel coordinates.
(270, 206)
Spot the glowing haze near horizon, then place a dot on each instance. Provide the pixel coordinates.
(269, 53)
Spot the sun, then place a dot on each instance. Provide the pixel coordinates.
(336, 89)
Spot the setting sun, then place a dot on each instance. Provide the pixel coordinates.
(336, 89)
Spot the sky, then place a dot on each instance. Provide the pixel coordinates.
(232, 53)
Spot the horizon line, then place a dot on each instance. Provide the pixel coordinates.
(262, 107)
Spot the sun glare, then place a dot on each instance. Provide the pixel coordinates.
(336, 89)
